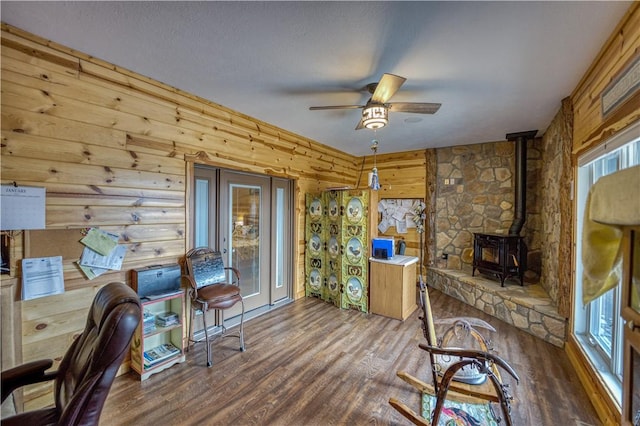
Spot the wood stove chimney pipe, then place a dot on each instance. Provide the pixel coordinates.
(520, 199)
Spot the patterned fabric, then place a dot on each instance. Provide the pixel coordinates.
(459, 414)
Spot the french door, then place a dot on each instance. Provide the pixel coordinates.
(247, 217)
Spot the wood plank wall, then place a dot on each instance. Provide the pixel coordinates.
(114, 150)
(623, 46)
(402, 175)
(591, 130)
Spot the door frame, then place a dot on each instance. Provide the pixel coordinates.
(193, 162)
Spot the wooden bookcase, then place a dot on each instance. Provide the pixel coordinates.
(146, 340)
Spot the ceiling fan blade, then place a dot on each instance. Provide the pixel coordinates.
(316, 108)
(415, 107)
(387, 87)
(360, 125)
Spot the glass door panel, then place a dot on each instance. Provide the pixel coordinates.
(245, 233)
(281, 236)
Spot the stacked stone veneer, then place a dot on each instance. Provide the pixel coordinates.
(475, 193)
(527, 307)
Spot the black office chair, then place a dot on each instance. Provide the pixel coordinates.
(89, 366)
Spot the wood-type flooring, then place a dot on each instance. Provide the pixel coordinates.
(309, 363)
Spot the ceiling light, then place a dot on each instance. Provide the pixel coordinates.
(375, 117)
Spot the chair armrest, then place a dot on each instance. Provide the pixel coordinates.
(26, 374)
(193, 290)
(473, 354)
(475, 322)
(235, 271)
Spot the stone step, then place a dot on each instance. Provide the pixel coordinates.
(527, 307)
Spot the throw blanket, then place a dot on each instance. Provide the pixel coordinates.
(613, 202)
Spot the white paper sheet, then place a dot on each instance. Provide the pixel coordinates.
(42, 276)
(401, 226)
(96, 260)
(22, 207)
(383, 226)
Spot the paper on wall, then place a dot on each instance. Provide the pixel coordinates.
(399, 213)
(100, 241)
(383, 226)
(23, 207)
(96, 260)
(401, 226)
(91, 272)
(42, 276)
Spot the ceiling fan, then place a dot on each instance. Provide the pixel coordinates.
(375, 114)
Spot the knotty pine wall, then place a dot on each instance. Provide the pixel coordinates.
(115, 150)
(402, 175)
(591, 129)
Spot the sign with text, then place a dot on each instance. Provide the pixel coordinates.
(22, 207)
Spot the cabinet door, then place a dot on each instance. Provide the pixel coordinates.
(335, 247)
(314, 251)
(355, 261)
(631, 379)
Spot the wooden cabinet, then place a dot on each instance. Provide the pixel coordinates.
(631, 315)
(392, 286)
(159, 339)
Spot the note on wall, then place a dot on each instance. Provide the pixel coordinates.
(42, 276)
(402, 213)
(22, 207)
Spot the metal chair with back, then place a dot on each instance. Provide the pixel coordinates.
(210, 290)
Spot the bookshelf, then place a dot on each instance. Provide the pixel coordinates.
(158, 341)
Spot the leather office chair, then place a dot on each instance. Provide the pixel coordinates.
(89, 366)
(211, 291)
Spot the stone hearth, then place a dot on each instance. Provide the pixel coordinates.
(527, 307)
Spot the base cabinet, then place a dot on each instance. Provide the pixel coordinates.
(392, 286)
(158, 342)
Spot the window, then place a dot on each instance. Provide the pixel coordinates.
(598, 325)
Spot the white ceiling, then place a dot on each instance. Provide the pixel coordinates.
(496, 67)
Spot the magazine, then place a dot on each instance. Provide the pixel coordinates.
(159, 353)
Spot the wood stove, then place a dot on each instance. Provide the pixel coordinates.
(504, 256)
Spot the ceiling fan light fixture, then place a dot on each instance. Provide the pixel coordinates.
(375, 117)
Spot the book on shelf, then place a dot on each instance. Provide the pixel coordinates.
(159, 354)
(167, 319)
(148, 322)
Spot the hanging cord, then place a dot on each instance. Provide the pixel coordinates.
(361, 169)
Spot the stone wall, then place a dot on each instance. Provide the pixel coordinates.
(555, 190)
(475, 193)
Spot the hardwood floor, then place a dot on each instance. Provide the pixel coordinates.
(309, 363)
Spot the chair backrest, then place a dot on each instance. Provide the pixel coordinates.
(428, 326)
(205, 266)
(89, 367)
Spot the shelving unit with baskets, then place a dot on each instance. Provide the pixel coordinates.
(158, 341)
